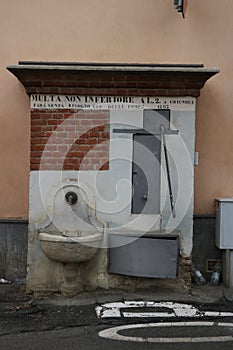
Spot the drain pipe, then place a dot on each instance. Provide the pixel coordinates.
(168, 171)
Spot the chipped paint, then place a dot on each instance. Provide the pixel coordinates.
(116, 309)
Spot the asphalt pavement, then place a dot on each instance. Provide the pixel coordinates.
(54, 322)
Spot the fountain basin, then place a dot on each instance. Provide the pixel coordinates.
(70, 249)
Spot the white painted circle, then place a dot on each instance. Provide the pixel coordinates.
(112, 333)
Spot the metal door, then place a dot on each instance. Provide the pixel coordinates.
(146, 174)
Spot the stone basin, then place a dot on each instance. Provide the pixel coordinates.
(70, 249)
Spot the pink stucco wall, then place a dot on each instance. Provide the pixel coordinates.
(118, 31)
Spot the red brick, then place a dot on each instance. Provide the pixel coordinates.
(91, 154)
(68, 167)
(68, 142)
(84, 136)
(47, 154)
(56, 116)
(72, 122)
(90, 141)
(84, 148)
(105, 134)
(100, 128)
(94, 161)
(35, 154)
(86, 122)
(37, 134)
(38, 141)
(100, 154)
(57, 140)
(80, 129)
(72, 134)
(50, 161)
(35, 160)
(104, 167)
(95, 122)
(58, 154)
(62, 147)
(85, 161)
(61, 134)
(35, 128)
(101, 140)
(38, 122)
(80, 141)
(35, 167)
(69, 127)
(47, 134)
(37, 147)
(103, 146)
(79, 154)
(36, 114)
(53, 122)
(51, 147)
(46, 128)
(94, 134)
(61, 127)
(88, 167)
(68, 115)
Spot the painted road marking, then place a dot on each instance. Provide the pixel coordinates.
(112, 333)
(114, 310)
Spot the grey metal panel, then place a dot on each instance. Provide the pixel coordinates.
(147, 256)
(218, 226)
(153, 119)
(224, 224)
(230, 199)
(146, 174)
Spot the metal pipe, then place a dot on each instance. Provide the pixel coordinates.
(168, 171)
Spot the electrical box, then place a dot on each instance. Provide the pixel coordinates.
(224, 223)
(154, 256)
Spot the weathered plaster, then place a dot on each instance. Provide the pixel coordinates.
(112, 192)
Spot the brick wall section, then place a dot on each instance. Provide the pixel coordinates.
(69, 140)
(113, 92)
(114, 83)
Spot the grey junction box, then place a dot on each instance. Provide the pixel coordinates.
(224, 223)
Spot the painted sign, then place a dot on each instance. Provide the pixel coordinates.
(41, 101)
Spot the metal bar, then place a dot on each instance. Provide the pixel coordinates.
(168, 172)
(142, 131)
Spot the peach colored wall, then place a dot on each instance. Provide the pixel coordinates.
(118, 31)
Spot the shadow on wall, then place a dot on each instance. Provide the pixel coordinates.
(13, 249)
(204, 249)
